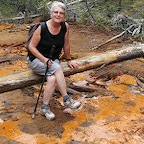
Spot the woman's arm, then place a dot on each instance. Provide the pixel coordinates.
(67, 44)
(67, 55)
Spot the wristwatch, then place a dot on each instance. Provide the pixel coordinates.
(68, 59)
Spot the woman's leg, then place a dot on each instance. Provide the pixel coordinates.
(61, 84)
(49, 89)
(60, 80)
(48, 93)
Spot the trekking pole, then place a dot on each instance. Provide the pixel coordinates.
(50, 57)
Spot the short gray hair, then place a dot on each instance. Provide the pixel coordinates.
(57, 4)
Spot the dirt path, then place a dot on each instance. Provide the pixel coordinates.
(113, 114)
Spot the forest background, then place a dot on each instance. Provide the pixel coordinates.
(96, 12)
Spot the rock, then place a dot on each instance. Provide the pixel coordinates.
(1, 121)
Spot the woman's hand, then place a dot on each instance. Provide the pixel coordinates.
(48, 62)
(72, 64)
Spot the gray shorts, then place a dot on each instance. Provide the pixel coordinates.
(39, 67)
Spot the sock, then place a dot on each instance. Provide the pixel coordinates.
(65, 97)
(44, 106)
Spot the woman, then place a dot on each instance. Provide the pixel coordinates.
(56, 33)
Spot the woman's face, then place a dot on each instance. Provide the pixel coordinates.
(58, 15)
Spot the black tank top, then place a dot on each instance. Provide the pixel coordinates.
(47, 40)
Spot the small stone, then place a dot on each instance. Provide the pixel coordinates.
(1, 121)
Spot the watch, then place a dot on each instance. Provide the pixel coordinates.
(68, 59)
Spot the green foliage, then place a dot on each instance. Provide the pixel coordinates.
(6, 11)
(98, 12)
(10, 8)
(103, 10)
(43, 7)
(137, 9)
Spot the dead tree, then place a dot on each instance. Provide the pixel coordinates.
(134, 26)
(27, 77)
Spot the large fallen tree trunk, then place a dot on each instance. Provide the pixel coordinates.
(27, 78)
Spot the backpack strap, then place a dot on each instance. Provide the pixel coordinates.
(43, 28)
(63, 24)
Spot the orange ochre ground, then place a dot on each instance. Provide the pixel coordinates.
(114, 118)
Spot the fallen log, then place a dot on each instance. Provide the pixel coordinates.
(83, 88)
(107, 57)
(27, 78)
(4, 59)
(72, 91)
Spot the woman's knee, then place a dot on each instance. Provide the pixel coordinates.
(51, 79)
(59, 71)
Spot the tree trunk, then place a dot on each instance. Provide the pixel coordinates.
(27, 78)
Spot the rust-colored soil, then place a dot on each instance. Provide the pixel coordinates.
(113, 114)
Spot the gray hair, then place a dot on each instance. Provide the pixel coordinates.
(57, 4)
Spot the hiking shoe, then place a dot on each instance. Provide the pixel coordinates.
(70, 103)
(47, 112)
